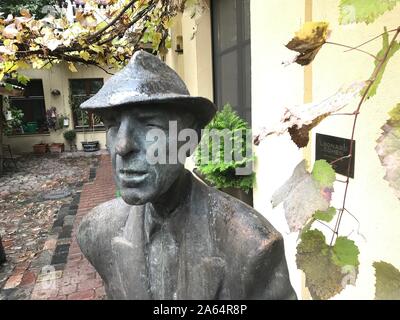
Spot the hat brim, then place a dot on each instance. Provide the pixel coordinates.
(202, 108)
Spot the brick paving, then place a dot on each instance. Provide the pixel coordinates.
(78, 280)
(38, 203)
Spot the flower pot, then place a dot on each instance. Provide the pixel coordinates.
(57, 147)
(240, 194)
(90, 146)
(40, 148)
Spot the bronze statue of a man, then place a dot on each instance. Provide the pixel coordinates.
(171, 236)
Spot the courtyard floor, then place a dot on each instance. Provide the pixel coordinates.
(41, 204)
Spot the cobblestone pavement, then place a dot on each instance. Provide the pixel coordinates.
(38, 204)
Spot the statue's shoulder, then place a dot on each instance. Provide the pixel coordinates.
(237, 222)
(101, 224)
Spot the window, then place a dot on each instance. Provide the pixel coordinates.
(81, 90)
(232, 55)
(33, 106)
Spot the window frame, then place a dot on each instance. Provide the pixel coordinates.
(15, 99)
(239, 48)
(91, 115)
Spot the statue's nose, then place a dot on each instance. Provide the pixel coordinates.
(128, 140)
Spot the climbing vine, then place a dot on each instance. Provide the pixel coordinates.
(330, 264)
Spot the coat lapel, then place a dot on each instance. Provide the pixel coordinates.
(130, 266)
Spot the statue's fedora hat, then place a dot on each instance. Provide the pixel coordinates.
(147, 81)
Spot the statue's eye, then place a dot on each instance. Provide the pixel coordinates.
(155, 125)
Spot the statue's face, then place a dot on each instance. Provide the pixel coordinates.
(138, 180)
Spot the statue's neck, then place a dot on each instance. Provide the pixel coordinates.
(176, 194)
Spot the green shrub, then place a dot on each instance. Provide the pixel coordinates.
(222, 173)
(70, 135)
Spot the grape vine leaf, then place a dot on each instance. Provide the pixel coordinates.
(326, 215)
(380, 56)
(345, 252)
(388, 149)
(308, 41)
(387, 286)
(299, 120)
(355, 11)
(302, 196)
(324, 278)
(323, 173)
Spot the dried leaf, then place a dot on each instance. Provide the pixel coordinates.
(10, 32)
(72, 67)
(387, 286)
(301, 196)
(299, 120)
(308, 40)
(388, 149)
(53, 44)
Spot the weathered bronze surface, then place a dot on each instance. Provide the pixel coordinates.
(2, 253)
(170, 236)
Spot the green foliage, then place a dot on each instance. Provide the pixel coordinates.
(326, 275)
(355, 11)
(387, 285)
(325, 215)
(36, 7)
(323, 278)
(345, 252)
(210, 158)
(15, 122)
(70, 135)
(380, 56)
(323, 173)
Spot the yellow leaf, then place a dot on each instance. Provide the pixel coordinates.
(23, 65)
(71, 67)
(97, 49)
(308, 41)
(84, 55)
(313, 31)
(25, 13)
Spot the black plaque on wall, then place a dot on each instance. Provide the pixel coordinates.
(331, 148)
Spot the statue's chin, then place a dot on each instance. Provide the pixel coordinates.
(134, 199)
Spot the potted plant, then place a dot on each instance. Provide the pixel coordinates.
(13, 121)
(88, 146)
(40, 148)
(57, 147)
(70, 136)
(210, 156)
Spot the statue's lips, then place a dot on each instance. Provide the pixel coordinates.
(131, 177)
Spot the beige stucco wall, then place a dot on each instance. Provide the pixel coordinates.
(57, 78)
(370, 198)
(275, 86)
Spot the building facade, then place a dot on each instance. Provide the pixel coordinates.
(232, 51)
